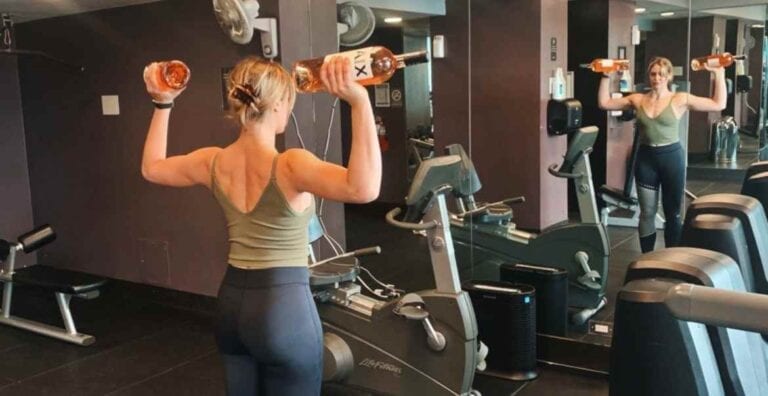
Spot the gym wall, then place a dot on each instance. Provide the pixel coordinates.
(85, 167)
(16, 213)
(508, 94)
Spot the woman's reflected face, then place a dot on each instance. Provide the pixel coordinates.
(657, 76)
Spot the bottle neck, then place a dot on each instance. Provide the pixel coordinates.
(739, 57)
(411, 58)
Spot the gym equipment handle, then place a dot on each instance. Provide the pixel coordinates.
(408, 226)
(366, 251)
(354, 253)
(554, 172)
(719, 307)
(37, 238)
(482, 208)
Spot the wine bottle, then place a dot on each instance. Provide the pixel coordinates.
(607, 65)
(725, 59)
(371, 65)
(170, 75)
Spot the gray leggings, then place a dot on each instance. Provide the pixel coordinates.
(269, 333)
(663, 167)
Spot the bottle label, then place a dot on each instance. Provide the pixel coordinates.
(713, 62)
(361, 60)
(606, 63)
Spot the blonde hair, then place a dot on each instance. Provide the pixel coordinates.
(256, 85)
(663, 63)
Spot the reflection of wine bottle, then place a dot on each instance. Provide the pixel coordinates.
(725, 59)
(371, 65)
(171, 75)
(607, 65)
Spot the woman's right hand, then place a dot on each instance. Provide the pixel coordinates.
(158, 90)
(336, 75)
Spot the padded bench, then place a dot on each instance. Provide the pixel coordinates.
(58, 280)
(63, 283)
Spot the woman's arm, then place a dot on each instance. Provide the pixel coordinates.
(719, 96)
(360, 181)
(604, 99)
(177, 171)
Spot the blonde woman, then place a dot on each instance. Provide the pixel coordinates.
(268, 330)
(660, 158)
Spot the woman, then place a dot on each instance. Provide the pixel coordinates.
(660, 158)
(268, 330)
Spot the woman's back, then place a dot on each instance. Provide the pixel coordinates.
(264, 229)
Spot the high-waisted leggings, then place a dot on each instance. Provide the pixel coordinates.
(664, 167)
(269, 333)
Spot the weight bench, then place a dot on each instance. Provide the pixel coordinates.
(64, 284)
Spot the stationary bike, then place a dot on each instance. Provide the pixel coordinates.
(486, 234)
(423, 343)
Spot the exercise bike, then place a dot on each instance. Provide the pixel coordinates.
(423, 343)
(485, 233)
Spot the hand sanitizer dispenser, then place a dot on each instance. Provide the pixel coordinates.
(558, 85)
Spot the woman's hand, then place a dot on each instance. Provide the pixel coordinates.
(714, 69)
(336, 75)
(158, 90)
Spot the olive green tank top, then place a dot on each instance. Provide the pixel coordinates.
(272, 234)
(662, 130)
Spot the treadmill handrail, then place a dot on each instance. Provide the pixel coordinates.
(719, 307)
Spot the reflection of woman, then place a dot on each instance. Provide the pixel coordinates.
(268, 330)
(660, 159)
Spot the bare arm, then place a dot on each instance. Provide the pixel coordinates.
(719, 96)
(361, 181)
(177, 171)
(604, 100)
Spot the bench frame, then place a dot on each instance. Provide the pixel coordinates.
(68, 333)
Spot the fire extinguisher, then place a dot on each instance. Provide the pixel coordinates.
(381, 131)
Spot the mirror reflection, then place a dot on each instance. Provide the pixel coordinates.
(735, 137)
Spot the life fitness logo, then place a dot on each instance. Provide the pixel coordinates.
(374, 364)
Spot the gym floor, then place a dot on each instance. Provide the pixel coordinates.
(154, 342)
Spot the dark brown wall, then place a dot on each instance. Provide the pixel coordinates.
(85, 167)
(507, 94)
(669, 38)
(754, 66)
(621, 17)
(15, 200)
(450, 77)
(588, 39)
(702, 31)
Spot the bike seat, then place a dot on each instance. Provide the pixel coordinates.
(495, 214)
(344, 269)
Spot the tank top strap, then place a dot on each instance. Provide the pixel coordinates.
(213, 169)
(273, 172)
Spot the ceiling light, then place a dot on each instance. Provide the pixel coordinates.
(393, 20)
(758, 26)
(667, 14)
(639, 10)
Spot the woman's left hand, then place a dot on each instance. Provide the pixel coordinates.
(155, 88)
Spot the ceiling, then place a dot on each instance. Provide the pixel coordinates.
(751, 10)
(27, 10)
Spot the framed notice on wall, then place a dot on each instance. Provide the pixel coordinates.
(381, 95)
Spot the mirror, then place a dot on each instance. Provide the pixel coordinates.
(726, 143)
(592, 29)
(421, 104)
